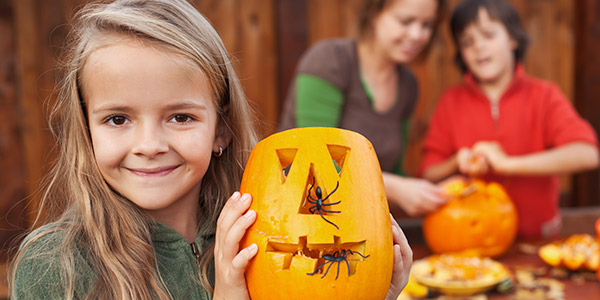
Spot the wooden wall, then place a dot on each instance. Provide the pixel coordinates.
(267, 37)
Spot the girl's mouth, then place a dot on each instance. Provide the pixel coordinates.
(153, 172)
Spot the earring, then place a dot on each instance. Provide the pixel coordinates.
(220, 152)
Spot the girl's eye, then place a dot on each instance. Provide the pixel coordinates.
(181, 118)
(117, 120)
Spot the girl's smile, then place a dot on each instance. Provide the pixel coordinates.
(153, 172)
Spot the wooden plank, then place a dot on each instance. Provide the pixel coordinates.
(324, 19)
(12, 179)
(258, 57)
(292, 41)
(587, 89)
(33, 125)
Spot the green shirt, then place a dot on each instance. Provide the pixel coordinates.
(38, 275)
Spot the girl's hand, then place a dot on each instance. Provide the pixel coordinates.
(493, 154)
(230, 264)
(402, 262)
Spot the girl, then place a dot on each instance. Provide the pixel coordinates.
(154, 130)
(504, 125)
(363, 85)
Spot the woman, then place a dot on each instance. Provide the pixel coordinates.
(363, 85)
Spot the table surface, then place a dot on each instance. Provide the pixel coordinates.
(522, 256)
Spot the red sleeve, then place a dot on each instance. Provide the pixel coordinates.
(437, 146)
(563, 124)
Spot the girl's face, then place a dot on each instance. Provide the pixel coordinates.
(404, 28)
(152, 122)
(487, 49)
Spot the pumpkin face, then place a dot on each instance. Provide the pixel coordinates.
(323, 227)
(479, 217)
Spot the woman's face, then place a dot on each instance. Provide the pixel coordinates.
(404, 28)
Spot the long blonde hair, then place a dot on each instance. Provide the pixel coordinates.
(80, 204)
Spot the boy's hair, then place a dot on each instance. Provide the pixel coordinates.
(467, 13)
(371, 8)
(77, 200)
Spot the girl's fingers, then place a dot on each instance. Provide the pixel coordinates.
(233, 209)
(240, 261)
(233, 237)
(400, 239)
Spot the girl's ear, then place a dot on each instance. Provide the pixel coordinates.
(223, 135)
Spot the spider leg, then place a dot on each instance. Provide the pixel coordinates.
(329, 204)
(336, 187)
(356, 252)
(331, 263)
(348, 265)
(318, 268)
(328, 220)
(338, 270)
(309, 198)
(312, 209)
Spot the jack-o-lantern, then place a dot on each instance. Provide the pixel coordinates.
(323, 227)
(478, 216)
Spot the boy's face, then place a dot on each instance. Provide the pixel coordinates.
(152, 123)
(404, 28)
(487, 49)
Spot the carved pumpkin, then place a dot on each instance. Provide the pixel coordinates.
(323, 227)
(479, 217)
(578, 251)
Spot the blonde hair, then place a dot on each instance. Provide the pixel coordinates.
(80, 204)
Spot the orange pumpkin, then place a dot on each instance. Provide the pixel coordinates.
(478, 216)
(323, 227)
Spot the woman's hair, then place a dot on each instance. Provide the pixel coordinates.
(467, 13)
(372, 8)
(114, 232)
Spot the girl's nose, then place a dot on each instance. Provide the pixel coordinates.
(150, 141)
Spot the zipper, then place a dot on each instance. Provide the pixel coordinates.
(195, 251)
(495, 111)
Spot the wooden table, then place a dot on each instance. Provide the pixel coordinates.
(575, 220)
(517, 259)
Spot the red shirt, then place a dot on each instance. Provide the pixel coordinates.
(531, 116)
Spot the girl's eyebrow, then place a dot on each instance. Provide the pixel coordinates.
(112, 107)
(128, 109)
(186, 105)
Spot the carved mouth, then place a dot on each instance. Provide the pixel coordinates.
(314, 258)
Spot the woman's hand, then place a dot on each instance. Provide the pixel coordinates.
(230, 264)
(415, 196)
(403, 257)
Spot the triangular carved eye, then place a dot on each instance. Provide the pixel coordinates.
(338, 155)
(286, 158)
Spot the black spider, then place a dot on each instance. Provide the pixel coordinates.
(318, 203)
(336, 257)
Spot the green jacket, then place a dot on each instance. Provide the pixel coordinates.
(38, 275)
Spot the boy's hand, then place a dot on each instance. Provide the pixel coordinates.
(230, 264)
(493, 154)
(471, 163)
(402, 262)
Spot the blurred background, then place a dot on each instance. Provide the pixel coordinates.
(266, 38)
